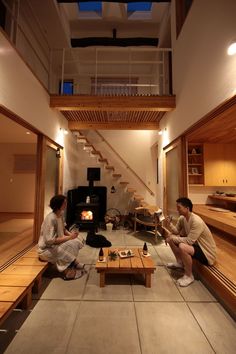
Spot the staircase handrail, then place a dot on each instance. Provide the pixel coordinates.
(124, 162)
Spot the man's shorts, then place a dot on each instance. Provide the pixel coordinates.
(199, 255)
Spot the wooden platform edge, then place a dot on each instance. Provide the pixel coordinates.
(222, 288)
(26, 296)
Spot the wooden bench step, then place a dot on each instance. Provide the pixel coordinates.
(5, 310)
(11, 293)
(24, 270)
(16, 280)
(29, 261)
(221, 286)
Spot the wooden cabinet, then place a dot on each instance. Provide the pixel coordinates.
(195, 164)
(220, 164)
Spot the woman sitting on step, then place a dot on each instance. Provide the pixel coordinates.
(57, 245)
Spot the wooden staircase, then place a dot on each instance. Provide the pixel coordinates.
(81, 139)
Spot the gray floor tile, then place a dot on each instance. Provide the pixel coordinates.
(47, 329)
(138, 238)
(59, 289)
(105, 327)
(169, 328)
(165, 253)
(163, 288)
(218, 326)
(116, 237)
(118, 287)
(169, 318)
(87, 255)
(196, 292)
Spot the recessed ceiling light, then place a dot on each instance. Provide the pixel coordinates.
(232, 48)
(28, 133)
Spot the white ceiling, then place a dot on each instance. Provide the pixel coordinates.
(62, 21)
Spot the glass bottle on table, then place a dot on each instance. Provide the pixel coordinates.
(101, 255)
(145, 249)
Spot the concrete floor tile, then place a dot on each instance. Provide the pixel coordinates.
(105, 327)
(196, 292)
(47, 330)
(117, 288)
(138, 238)
(87, 255)
(163, 288)
(124, 314)
(218, 326)
(165, 254)
(169, 328)
(59, 289)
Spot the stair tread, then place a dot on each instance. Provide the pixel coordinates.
(103, 160)
(131, 190)
(123, 182)
(116, 175)
(110, 167)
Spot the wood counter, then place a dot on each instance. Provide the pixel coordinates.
(224, 221)
(222, 198)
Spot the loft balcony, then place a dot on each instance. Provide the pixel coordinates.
(112, 88)
(93, 87)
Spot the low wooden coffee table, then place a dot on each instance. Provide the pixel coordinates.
(133, 265)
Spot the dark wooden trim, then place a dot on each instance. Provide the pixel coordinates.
(181, 10)
(40, 185)
(13, 116)
(9, 114)
(220, 109)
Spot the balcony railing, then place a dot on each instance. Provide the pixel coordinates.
(111, 71)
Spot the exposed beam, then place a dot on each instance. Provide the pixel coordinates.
(112, 126)
(110, 42)
(112, 103)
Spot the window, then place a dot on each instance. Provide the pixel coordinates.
(139, 6)
(95, 6)
(68, 87)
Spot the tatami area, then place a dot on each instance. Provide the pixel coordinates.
(123, 317)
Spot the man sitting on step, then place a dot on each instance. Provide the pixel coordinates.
(189, 238)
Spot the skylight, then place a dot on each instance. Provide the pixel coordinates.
(94, 6)
(139, 6)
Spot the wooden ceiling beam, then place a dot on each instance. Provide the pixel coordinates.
(113, 126)
(112, 103)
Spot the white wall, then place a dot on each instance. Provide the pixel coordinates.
(138, 150)
(204, 75)
(21, 93)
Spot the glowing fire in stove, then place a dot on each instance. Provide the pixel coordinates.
(87, 215)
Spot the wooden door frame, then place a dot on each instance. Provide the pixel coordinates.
(180, 144)
(42, 142)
